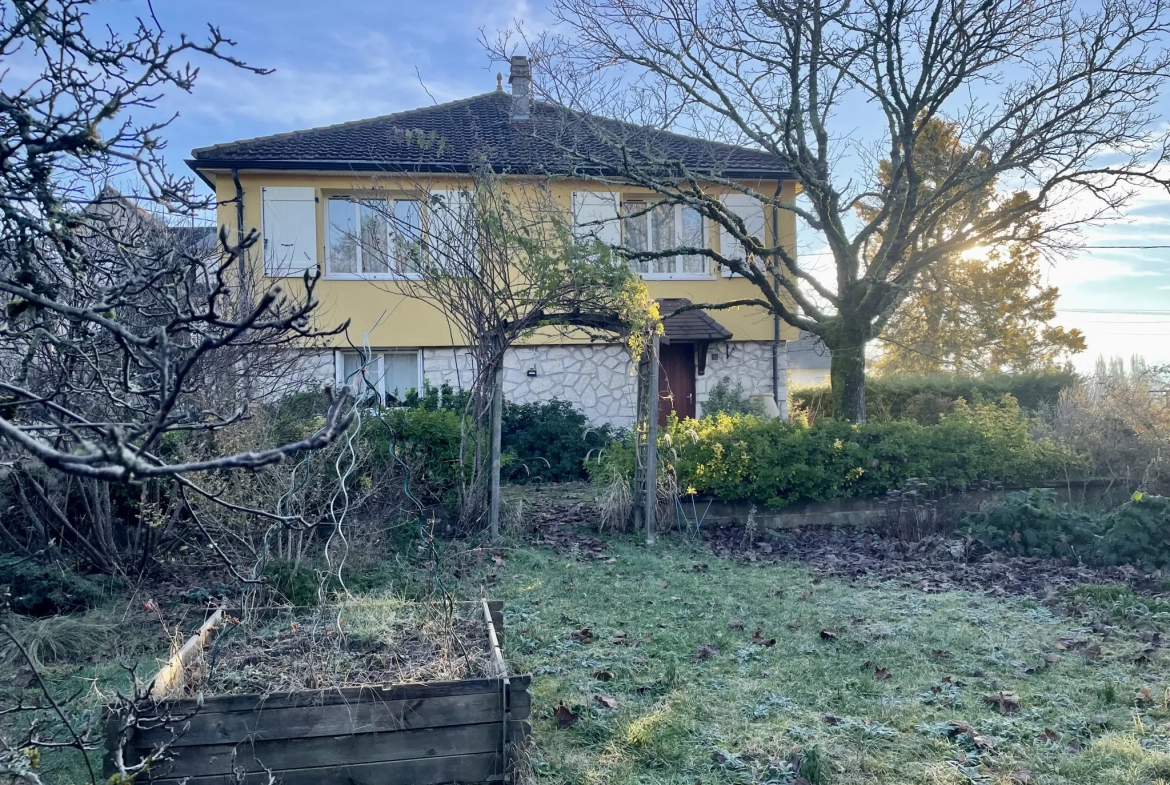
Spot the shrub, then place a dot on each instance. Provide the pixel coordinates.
(549, 441)
(1122, 425)
(39, 589)
(428, 442)
(1138, 532)
(777, 463)
(1030, 523)
(728, 398)
(545, 440)
(923, 398)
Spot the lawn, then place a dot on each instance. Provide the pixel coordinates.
(655, 658)
(669, 665)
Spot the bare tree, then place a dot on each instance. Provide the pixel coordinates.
(499, 259)
(1054, 97)
(109, 326)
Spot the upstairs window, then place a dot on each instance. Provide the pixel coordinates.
(374, 238)
(648, 227)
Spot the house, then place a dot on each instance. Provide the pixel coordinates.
(809, 361)
(301, 189)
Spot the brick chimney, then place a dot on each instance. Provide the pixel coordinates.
(521, 80)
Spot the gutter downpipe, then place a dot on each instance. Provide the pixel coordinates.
(239, 206)
(776, 289)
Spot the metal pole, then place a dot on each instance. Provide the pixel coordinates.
(497, 428)
(651, 499)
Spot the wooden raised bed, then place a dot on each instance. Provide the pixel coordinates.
(466, 731)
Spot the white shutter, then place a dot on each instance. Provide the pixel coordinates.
(453, 230)
(288, 226)
(597, 214)
(751, 210)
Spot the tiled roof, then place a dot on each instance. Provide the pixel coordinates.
(809, 352)
(461, 135)
(690, 326)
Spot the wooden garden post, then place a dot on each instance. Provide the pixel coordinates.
(651, 493)
(497, 426)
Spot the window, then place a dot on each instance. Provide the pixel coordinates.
(661, 227)
(401, 375)
(388, 376)
(374, 237)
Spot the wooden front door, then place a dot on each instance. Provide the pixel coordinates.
(676, 380)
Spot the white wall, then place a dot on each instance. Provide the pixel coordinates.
(598, 379)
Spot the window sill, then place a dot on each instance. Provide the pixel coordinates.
(677, 276)
(370, 277)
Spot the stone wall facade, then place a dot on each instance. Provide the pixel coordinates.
(598, 379)
(750, 364)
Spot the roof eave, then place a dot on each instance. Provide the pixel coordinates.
(198, 164)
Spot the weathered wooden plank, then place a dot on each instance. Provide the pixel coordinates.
(333, 750)
(171, 675)
(280, 700)
(521, 697)
(521, 730)
(496, 607)
(494, 642)
(334, 720)
(475, 768)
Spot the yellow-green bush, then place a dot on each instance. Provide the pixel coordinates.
(777, 463)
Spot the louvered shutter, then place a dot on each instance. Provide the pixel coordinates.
(288, 227)
(751, 210)
(597, 214)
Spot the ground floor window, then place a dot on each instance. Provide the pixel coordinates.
(387, 375)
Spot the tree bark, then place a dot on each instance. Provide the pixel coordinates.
(847, 373)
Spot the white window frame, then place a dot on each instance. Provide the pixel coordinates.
(378, 360)
(356, 200)
(647, 206)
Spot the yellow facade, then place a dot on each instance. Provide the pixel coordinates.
(403, 321)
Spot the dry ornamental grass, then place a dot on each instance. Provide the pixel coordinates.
(358, 643)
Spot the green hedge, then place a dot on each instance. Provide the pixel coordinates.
(546, 441)
(777, 463)
(924, 398)
(549, 441)
(1031, 523)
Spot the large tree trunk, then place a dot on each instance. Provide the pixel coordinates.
(847, 373)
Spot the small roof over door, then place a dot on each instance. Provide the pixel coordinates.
(696, 326)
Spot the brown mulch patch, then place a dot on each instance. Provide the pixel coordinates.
(933, 564)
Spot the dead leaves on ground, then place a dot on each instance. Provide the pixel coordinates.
(601, 675)
(881, 674)
(705, 652)
(607, 701)
(736, 624)
(828, 635)
(583, 635)
(564, 716)
(981, 742)
(1006, 702)
(759, 640)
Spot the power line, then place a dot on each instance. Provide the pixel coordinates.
(1121, 247)
(1136, 311)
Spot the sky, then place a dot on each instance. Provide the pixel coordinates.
(349, 59)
